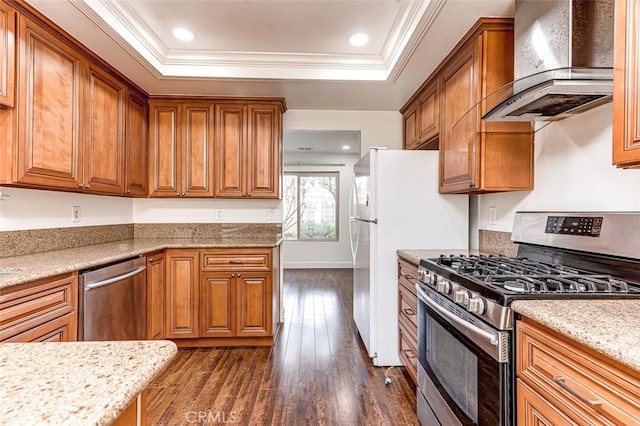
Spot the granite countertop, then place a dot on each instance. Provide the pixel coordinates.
(610, 327)
(78, 383)
(35, 266)
(414, 256)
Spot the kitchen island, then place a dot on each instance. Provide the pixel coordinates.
(79, 383)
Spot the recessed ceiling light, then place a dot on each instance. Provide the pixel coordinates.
(358, 39)
(346, 147)
(183, 34)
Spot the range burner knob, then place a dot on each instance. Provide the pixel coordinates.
(461, 297)
(443, 286)
(476, 305)
(422, 275)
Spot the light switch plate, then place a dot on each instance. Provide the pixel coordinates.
(75, 214)
(271, 213)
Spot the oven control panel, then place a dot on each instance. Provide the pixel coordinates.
(583, 226)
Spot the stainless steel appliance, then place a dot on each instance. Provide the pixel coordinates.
(465, 328)
(113, 302)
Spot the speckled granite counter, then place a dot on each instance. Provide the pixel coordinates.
(46, 264)
(616, 333)
(414, 256)
(80, 383)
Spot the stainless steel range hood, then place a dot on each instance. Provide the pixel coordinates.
(563, 60)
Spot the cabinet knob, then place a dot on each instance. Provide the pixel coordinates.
(238, 275)
(248, 194)
(81, 185)
(233, 275)
(244, 194)
(150, 259)
(182, 194)
(177, 194)
(128, 191)
(472, 185)
(87, 186)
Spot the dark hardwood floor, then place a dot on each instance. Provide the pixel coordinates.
(318, 372)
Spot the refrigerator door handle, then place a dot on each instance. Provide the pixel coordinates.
(352, 243)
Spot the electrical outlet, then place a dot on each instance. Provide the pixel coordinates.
(75, 214)
(218, 214)
(271, 213)
(493, 215)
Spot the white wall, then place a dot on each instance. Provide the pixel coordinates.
(34, 209)
(377, 128)
(297, 254)
(573, 171)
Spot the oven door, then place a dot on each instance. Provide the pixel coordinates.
(463, 370)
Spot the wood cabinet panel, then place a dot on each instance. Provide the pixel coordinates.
(28, 306)
(137, 113)
(62, 329)
(197, 150)
(236, 260)
(585, 386)
(264, 152)
(230, 149)
(155, 295)
(533, 410)
(218, 302)
(104, 132)
(7, 55)
(254, 304)
(182, 294)
(626, 88)
(458, 160)
(164, 154)
(410, 119)
(408, 352)
(429, 113)
(408, 317)
(50, 109)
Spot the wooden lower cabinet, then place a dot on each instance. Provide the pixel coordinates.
(217, 297)
(155, 295)
(408, 316)
(44, 310)
(135, 414)
(561, 382)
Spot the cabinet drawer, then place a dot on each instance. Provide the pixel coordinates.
(61, 329)
(31, 305)
(409, 353)
(408, 310)
(407, 275)
(532, 409)
(587, 383)
(237, 260)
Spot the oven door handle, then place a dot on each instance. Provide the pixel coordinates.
(491, 338)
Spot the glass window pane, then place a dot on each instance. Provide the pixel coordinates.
(318, 206)
(290, 214)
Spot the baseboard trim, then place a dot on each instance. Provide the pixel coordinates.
(317, 265)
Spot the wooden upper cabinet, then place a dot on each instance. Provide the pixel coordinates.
(411, 139)
(136, 119)
(475, 156)
(7, 54)
(49, 131)
(196, 167)
(231, 134)
(164, 146)
(626, 90)
(181, 149)
(104, 141)
(264, 151)
(249, 150)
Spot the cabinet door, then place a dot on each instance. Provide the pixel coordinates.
(254, 304)
(7, 54)
(155, 296)
(136, 145)
(626, 90)
(164, 153)
(197, 150)
(458, 156)
(49, 109)
(410, 126)
(104, 132)
(182, 294)
(264, 152)
(429, 113)
(218, 304)
(230, 150)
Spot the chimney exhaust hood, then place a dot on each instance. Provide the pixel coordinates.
(563, 60)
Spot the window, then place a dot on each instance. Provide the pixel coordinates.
(310, 206)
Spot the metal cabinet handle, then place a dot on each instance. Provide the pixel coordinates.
(560, 381)
(236, 262)
(114, 279)
(150, 259)
(409, 311)
(409, 354)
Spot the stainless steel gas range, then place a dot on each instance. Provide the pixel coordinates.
(465, 329)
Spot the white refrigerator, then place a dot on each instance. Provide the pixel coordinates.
(394, 205)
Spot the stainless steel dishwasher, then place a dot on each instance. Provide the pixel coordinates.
(113, 302)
